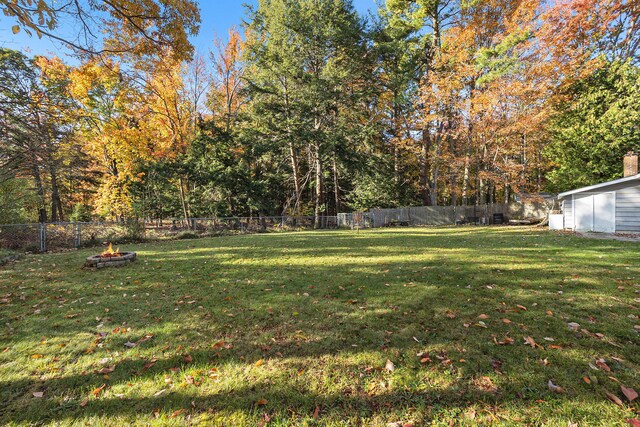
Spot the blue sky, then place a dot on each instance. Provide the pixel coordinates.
(217, 17)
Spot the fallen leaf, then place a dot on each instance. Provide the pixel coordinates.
(145, 338)
(600, 363)
(586, 380)
(634, 422)
(219, 344)
(506, 321)
(573, 326)
(554, 388)
(38, 393)
(37, 356)
(259, 363)
(505, 341)
(389, 366)
(84, 403)
(178, 412)
(261, 402)
(530, 341)
(615, 399)
(521, 307)
(129, 344)
(96, 391)
(187, 358)
(149, 364)
(107, 370)
(629, 393)
(483, 316)
(316, 413)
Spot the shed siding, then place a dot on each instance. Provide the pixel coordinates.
(628, 209)
(567, 209)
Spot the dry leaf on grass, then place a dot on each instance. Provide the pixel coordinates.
(389, 366)
(261, 402)
(530, 341)
(178, 412)
(629, 393)
(554, 388)
(600, 363)
(107, 370)
(615, 399)
(96, 391)
(38, 393)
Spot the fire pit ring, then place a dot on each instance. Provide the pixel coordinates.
(119, 260)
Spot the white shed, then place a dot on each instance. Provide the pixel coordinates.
(610, 207)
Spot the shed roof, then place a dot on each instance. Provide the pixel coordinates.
(599, 186)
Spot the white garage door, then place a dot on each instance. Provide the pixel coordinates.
(595, 212)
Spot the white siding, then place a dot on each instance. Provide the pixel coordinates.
(567, 210)
(628, 209)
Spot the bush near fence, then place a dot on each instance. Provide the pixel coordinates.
(69, 235)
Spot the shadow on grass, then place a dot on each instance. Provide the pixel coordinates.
(301, 300)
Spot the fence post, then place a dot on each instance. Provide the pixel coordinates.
(75, 234)
(42, 232)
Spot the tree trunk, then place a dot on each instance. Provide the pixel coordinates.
(295, 167)
(319, 192)
(466, 176)
(425, 167)
(336, 187)
(436, 173)
(183, 201)
(42, 203)
(56, 204)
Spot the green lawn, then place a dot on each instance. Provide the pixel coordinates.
(296, 329)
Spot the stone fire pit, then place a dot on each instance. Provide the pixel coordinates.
(110, 258)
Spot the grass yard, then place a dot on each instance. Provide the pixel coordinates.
(296, 329)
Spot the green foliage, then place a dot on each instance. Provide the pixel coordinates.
(498, 60)
(134, 230)
(81, 213)
(185, 235)
(595, 128)
(16, 201)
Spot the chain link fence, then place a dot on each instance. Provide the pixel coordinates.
(67, 235)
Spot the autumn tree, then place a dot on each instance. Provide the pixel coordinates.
(137, 28)
(36, 136)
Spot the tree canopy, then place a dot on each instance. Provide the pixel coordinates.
(312, 109)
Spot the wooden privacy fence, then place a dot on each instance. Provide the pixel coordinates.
(449, 215)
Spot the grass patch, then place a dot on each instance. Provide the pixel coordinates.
(296, 329)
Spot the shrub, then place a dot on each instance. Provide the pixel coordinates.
(186, 235)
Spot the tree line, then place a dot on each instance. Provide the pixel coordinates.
(311, 109)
